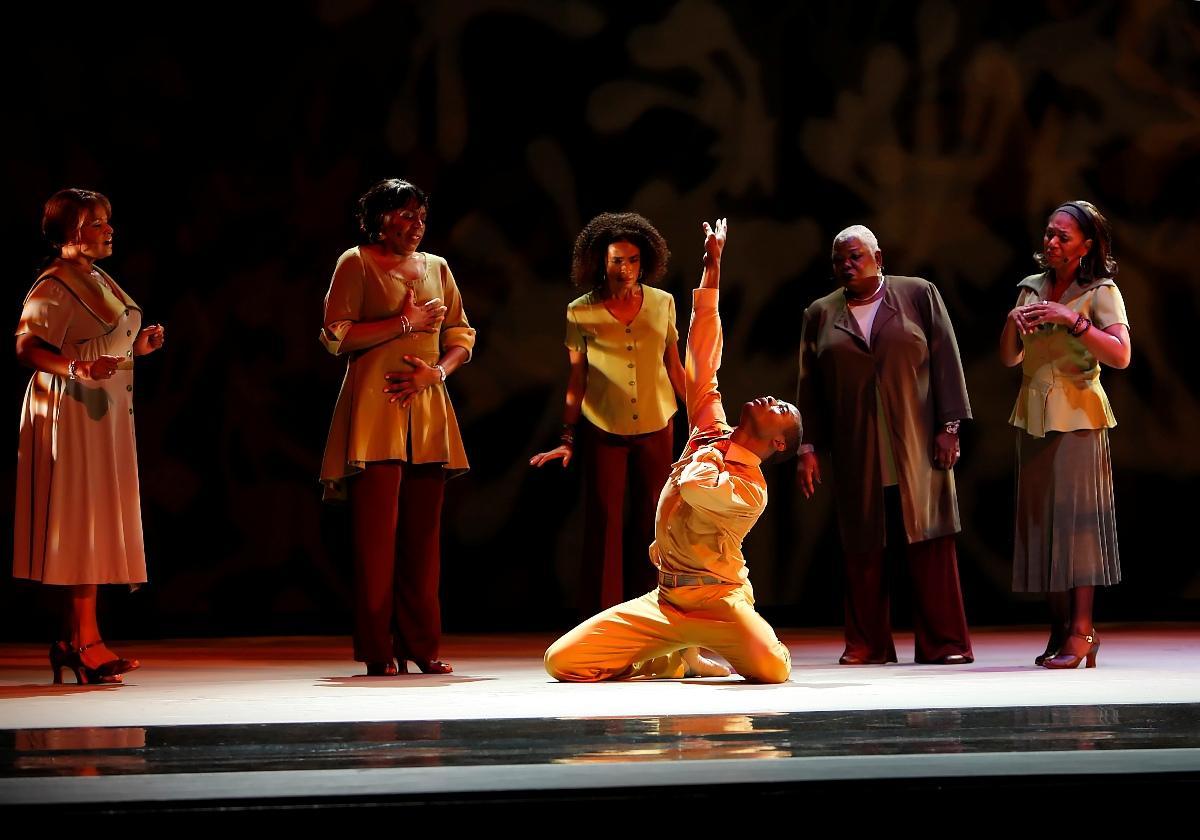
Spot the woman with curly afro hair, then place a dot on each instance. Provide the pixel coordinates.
(625, 374)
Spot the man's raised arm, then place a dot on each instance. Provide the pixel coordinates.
(704, 336)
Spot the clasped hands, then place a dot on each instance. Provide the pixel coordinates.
(1033, 315)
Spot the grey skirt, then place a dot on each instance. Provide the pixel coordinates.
(1066, 533)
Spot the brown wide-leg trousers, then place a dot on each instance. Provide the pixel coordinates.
(396, 515)
(939, 619)
(614, 466)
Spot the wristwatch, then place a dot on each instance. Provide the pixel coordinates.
(951, 427)
(441, 372)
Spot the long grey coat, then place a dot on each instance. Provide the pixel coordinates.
(913, 359)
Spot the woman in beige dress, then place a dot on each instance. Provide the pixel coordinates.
(396, 315)
(78, 514)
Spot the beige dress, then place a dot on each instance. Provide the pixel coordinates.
(366, 426)
(78, 511)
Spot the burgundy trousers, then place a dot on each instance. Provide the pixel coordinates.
(939, 620)
(613, 466)
(396, 515)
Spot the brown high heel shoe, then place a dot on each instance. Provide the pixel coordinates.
(1069, 660)
(113, 667)
(62, 655)
(1053, 645)
(428, 666)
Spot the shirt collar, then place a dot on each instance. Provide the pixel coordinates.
(741, 455)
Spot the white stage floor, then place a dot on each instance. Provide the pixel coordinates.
(310, 679)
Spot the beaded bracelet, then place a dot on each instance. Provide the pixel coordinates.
(405, 325)
(567, 435)
(1078, 330)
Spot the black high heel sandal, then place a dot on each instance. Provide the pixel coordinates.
(62, 655)
(114, 667)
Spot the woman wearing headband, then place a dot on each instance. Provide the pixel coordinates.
(1069, 319)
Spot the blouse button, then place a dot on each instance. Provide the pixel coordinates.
(628, 346)
(128, 332)
(630, 365)
(635, 417)
(633, 399)
(131, 411)
(628, 330)
(631, 382)
(128, 387)
(128, 352)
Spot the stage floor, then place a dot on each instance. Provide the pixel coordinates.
(276, 719)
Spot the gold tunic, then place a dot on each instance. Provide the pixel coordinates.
(367, 427)
(1060, 384)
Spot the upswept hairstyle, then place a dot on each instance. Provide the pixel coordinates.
(1099, 261)
(64, 213)
(591, 249)
(385, 197)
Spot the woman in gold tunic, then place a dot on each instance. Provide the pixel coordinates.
(1069, 319)
(78, 519)
(396, 315)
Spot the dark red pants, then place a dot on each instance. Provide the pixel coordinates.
(939, 620)
(396, 515)
(615, 570)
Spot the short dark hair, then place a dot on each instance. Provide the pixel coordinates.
(793, 436)
(64, 212)
(591, 249)
(1099, 261)
(385, 197)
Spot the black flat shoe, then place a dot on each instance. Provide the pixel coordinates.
(951, 659)
(851, 659)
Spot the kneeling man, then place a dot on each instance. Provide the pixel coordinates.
(713, 497)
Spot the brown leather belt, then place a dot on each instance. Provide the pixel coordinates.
(671, 581)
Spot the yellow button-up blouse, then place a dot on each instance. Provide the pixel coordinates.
(628, 391)
(1060, 385)
(366, 426)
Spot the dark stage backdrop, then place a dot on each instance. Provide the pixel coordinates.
(233, 144)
